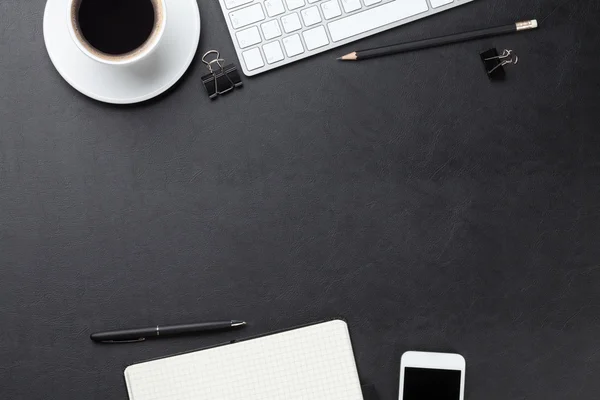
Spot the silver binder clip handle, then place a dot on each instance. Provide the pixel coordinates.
(217, 60)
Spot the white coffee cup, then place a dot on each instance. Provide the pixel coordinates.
(131, 57)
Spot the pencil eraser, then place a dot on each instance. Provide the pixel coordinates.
(526, 25)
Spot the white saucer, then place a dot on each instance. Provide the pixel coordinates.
(125, 84)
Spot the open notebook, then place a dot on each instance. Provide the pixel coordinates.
(314, 362)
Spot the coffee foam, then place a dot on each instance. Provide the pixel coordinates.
(158, 21)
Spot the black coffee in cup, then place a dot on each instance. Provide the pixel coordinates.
(116, 28)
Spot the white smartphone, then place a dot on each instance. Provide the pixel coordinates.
(439, 376)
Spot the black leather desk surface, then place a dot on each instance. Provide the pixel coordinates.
(430, 208)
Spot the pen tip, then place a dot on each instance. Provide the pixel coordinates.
(238, 323)
(339, 58)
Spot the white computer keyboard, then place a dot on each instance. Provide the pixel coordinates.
(270, 33)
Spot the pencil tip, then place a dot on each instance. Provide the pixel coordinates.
(348, 57)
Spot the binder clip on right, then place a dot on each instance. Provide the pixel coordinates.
(222, 78)
(494, 63)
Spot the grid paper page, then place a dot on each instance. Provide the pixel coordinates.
(310, 363)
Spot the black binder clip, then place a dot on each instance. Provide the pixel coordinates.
(494, 63)
(222, 78)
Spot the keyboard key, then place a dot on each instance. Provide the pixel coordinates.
(293, 45)
(248, 37)
(371, 2)
(315, 38)
(253, 59)
(313, 1)
(236, 3)
(294, 4)
(352, 5)
(246, 16)
(374, 18)
(331, 9)
(439, 3)
(291, 22)
(311, 16)
(273, 52)
(274, 7)
(271, 29)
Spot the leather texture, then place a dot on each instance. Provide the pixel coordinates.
(431, 208)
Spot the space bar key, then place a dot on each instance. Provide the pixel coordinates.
(375, 18)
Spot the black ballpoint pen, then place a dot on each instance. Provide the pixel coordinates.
(139, 335)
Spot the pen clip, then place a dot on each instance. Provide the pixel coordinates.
(123, 341)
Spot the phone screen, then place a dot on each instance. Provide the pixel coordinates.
(434, 384)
